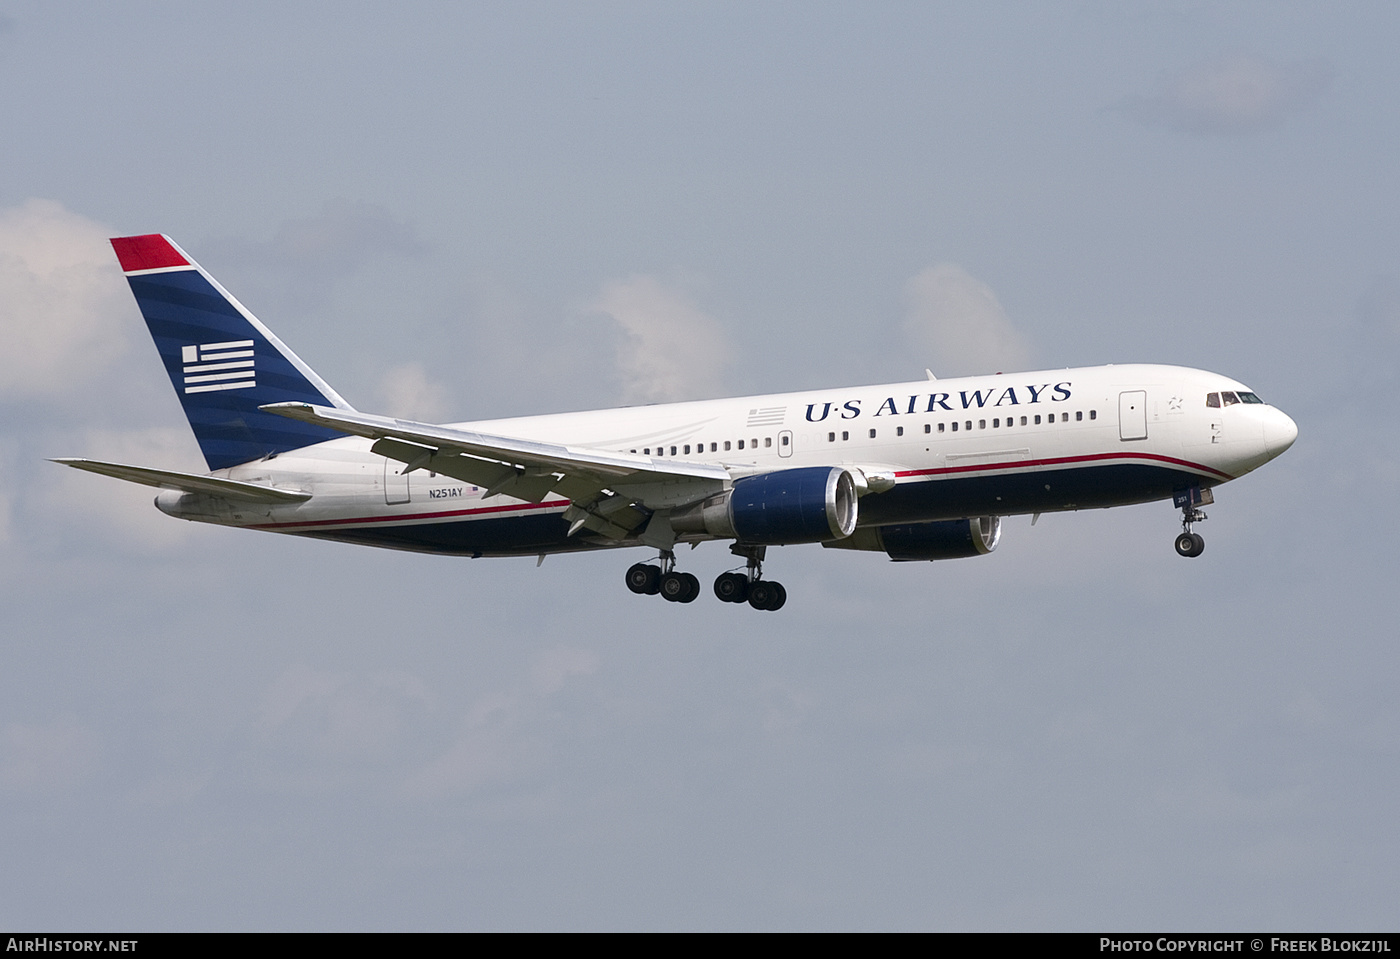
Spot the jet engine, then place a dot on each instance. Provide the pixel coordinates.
(773, 509)
(945, 539)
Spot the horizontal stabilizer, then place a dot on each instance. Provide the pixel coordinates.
(188, 482)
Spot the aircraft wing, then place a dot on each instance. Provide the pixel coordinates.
(606, 487)
(188, 482)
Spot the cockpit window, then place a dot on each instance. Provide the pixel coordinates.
(1229, 399)
(1213, 400)
(1249, 398)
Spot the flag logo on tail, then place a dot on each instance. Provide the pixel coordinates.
(218, 366)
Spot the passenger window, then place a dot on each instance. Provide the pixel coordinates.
(784, 439)
(872, 434)
(845, 435)
(1037, 419)
(767, 442)
(1093, 414)
(955, 425)
(754, 442)
(647, 451)
(1213, 401)
(940, 428)
(1078, 415)
(981, 424)
(968, 425)
(714, 447)
(687, 449)
(741, 444)
(831, 437)
(673, 451)
(726, 446)
(899, 431)
(1023, 421)
(996, 423)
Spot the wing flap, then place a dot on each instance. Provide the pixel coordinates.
(188, 482)
(601, 469)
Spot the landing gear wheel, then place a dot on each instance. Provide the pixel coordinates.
(779, 598)
(692, 583)
(732, 587)
(1190, 544)
(680, 587)
(644, 579)
(766, 594)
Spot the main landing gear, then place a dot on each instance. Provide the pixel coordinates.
(1189, 543)
(730, 587)
(750, 586)
(674, 587)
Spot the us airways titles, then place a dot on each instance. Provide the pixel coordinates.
(933, 402)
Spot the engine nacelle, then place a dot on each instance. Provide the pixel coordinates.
(781, 508)
(945, 539)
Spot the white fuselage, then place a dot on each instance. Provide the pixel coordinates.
(985, 445)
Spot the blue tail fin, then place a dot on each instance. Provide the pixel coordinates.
(223, 363)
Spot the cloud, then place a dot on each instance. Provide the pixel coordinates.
(1233, 96)
(956, 320)
(406, 391)
(59, 291)
(670, 349)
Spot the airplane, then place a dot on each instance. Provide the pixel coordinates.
(923, 470)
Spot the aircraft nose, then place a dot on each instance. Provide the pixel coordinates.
(1279, 432)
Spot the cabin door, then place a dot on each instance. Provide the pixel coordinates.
(1132, 415)
(395, 482)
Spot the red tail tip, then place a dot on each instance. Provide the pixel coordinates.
(150, 252)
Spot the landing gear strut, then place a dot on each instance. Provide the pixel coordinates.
(674, 587)
(1189, 543)
(648, 579)
(735, 587)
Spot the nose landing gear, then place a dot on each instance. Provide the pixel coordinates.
(1189, 543)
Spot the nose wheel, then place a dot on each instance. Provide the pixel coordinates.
(1189, 543)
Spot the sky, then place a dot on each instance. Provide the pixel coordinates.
(467, 211)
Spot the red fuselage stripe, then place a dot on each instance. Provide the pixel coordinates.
(407, 517)
(1057, 461)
